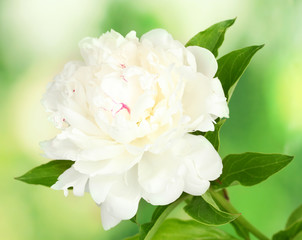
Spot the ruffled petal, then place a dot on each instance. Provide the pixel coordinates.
(71, 178)
(75, 145)
(99, 187)
(160, 176)
(116, 165)
(158, 38)
(122, 200)
(108, 221)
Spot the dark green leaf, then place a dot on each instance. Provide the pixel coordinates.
(298, 236)
(232, 65)
(157, 212)
(197, 133)
(134, 220)
(251, 168)
(46, 174)
(144, 229)
(213, 136)
(175, 229)
(206, 213)
(295, 216)
(212, 37)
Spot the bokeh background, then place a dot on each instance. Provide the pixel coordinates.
(38, 37)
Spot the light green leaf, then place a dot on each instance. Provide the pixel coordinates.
(175, 229)
(290, 232)
(206, 213)
(46, 174)
(295, 216)
(293, 228)
(212, 37)
(240, 230)
(135, 237)
(250, 168)
(232, 65)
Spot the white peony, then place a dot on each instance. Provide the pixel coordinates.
(125, 113)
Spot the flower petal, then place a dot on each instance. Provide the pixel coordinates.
(204, 157)
(108, 221)
(205, 60)
(115, 165)
(158, 38)
(160, 176)
(73, 144)
(122, 201)
(71, 178)
(99, 187)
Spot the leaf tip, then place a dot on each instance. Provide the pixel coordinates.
(233, 20)
(18, 178)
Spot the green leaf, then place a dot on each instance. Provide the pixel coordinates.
(212, 37)
(145, 228)
(293, 226)
(134, 219)
(250, 168)
(298, 236)
(204, 212)
(240, 230)
(46, 174)
(148, 230)
(295, 216)
(232, 65)
(175, 229)
(135, 237)
(213, 136)
(289, 233)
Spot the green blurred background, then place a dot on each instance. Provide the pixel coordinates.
(38, 37)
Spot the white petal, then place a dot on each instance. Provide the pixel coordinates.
(205, 60)
(160, 176)
(159, 38)
(71, 178)
(108, 221)
(99, 187)
(76, 120)
(195, 100)
(194, 184)
(169, 194)
(217, 104)
(205, 158)
(60, 148)
(123, 199)
(116, 165)
(72, 144)
(91, 50)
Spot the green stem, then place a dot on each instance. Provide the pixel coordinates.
(163, 216)
(240, 220)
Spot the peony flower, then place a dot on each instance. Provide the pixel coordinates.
(125, 113)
